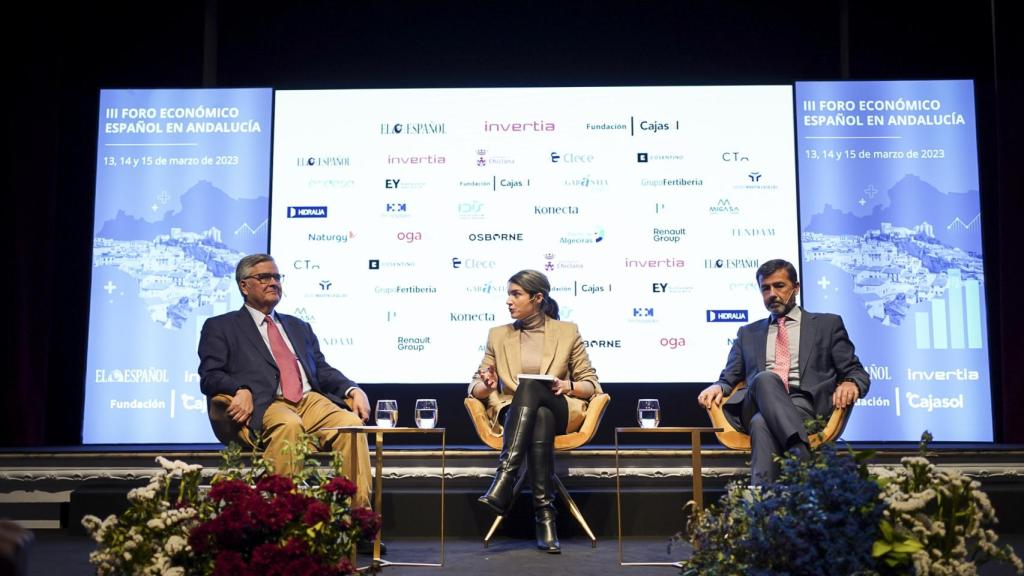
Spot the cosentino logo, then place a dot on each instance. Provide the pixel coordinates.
(556, 210)
(753, 232)
(470, 317)
(671, 182)
(527, 126)
(323, 161)
(424, 160)
(413, 129)
(732, 263)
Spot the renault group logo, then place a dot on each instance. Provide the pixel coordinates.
(727, 316)
(307, 211)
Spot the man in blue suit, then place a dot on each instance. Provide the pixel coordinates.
(279, 382)
(797, 365)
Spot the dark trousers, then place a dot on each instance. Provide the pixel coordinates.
(775, 421)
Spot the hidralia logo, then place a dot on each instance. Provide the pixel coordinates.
(322, 161)
(727, 315)
(307, 211)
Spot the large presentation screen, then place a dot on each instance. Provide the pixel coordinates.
(397, 217)
(181, 194)
(891, 232)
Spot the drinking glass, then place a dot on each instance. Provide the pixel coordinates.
(387, 413)
(648, 412)
(426, 413)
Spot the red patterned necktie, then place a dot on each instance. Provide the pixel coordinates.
(287, 364)
(782, 353)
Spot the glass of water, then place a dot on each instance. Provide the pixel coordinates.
(426, 413)
(648, 412)
(387, 413)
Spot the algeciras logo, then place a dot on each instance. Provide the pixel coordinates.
(409, 237)
(673, 235)
(338, 238)
(413, 129)
(734, 157)
(732, 263)
(412, 343)
(556, 210)
(531, 126)
(651, 126)
(307, 211)
(723, 206)
(473, 264)
(571, 158)
(727, 316)
(470, 210)
(323, 161)
(484, 159)
(424, 160)
(672, 343)
(595, 236)
(753, 232)
(666, 288)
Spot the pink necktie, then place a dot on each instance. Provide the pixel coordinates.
(287, 364)
(782, 353)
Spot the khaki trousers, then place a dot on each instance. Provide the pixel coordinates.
(284, 422)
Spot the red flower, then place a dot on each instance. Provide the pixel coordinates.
(368, 522)
(316, 512)
(275, 484)
(229, 563)
(340, 486)
(231, 491)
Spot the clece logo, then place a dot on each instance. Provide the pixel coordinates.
(571, 158)
(732, 263)
(413, 129)
(474, 264)
(323, 161)
(519, 127)
(672, 343)
(673, 235)
(307, 211)
(727, 316)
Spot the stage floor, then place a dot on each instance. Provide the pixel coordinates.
(57, 553)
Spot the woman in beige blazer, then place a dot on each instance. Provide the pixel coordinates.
(534, 410)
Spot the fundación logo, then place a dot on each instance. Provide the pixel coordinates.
(727, 316)
(307, 211)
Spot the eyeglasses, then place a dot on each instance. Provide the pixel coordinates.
(265, 277)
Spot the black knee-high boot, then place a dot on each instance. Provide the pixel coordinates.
(542, 470)
(518, 428)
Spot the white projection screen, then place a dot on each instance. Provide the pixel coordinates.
(397, 217)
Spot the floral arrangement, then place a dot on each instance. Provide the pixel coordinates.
(830, 514)
(247, 522)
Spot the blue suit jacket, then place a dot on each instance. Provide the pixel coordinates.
(827, 358)
(233, 354)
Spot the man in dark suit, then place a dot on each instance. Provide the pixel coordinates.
(279, 382)
(797, 365)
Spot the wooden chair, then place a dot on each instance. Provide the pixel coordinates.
(563, 442)
(224, 428)
(733, 438)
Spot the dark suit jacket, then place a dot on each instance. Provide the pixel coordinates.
(232, 354)
(826, 359)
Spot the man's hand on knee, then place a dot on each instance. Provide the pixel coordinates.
(360, 403)
(240, 409)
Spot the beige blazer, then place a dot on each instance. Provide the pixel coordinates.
(564, 356)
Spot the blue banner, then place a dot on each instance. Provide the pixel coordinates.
(891, 240)
(182, 180)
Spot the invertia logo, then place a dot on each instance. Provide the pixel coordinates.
(307, 211)
(323, 161)
(660, 263)
(417, 160)
(528, 126)
(413, 129)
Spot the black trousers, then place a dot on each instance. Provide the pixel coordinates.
(775, 421)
